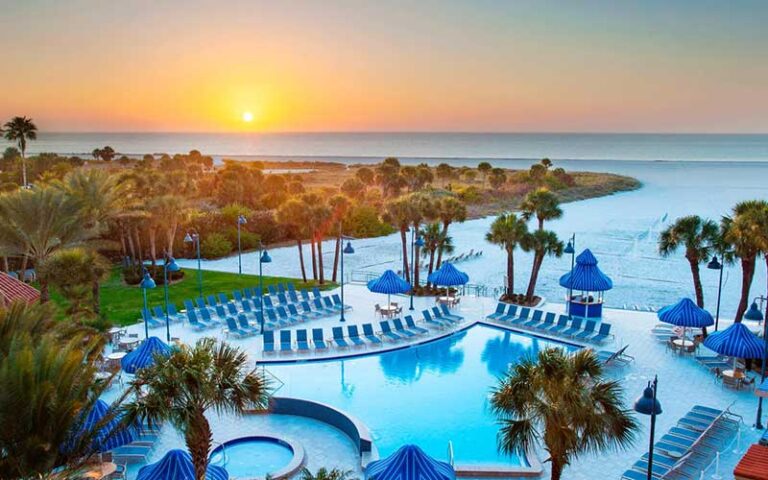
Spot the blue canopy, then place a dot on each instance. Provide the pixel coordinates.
(389, 283)
(685, 313)
(448, 276)
(144, 355)
(736, 341)
(409, 463)
(110, 434)
(586, 275)
(177, 465)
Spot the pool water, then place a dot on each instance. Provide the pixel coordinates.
(427, 395)
(252, 458)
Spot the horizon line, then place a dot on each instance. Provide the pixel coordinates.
(386, 132)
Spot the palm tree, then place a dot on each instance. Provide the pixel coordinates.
(742, 232)
(293, 216)
(449, 210)
(211, 375)
(325, 474)
(543, 243)
(698, 236)
(562, 400)
(36, 223)
(168, 211)
(76, 272)
(508, 231)
(398, 213)
(484, 168)
(340, 205)
(542, 204)
(20, 130)
(422, 208)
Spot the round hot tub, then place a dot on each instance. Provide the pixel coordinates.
(256, 457)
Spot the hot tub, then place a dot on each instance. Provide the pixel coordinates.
(256, 457)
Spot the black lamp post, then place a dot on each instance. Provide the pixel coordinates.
(263, 258)
(714, 264)
(649, 405)
(414, 243)
(169, 265)
(755, 314)
(146, 283)
(348, 250)
(570, 249)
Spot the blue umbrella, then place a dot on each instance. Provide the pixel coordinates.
(448, 276)
(685, 314)
(586, 275)
(409, 463)
(389, 283)
(736, 341)
(144, 355)
(110, 434)
(177, 465)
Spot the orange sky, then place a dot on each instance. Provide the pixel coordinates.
(359, 66)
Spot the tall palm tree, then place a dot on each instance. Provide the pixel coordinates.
(562, 400)
(422, 208)
(21, 130)
(698, 236)
(293, 216)
(340, 205)
(449, 210)
(741, 231)
(180, 389)
(398, 213)
(542, 204)
(76, 272)
(508, 231)
(36, 223)
(542, 243)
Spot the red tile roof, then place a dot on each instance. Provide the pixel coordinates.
(753, 465)
(12, 290)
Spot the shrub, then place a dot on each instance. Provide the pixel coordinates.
(364, 221)
(215, 245)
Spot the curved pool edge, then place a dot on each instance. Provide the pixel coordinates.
(292, 467)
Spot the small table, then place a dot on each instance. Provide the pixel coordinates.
(737, 374)
(388, 310)
(104, 470)
(129, 344)
(115, 333)
(450, 301)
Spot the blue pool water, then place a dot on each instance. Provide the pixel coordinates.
(252, 457)
(427, 395)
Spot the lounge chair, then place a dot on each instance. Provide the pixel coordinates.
(588, 331)
(237, 295)
(523, 317)
(447, 313)
(437, 314)
(291, 287)
(212, 302)
(281, 288)
(337, 302)
(316, 292)
(296, 314)
(338, 337)
(188, 305)
(318, 339)
(244, 325)
(232, 309)
(272, 317)
(305, 295)
(248, 292)
(434, 321)
(412, 325)
(575, 328)
(173, 313)
(562, 324)
(207, 317)
(549, 320)
(400, 329)
(222, 298)
(535, 319)
(269, 342)
(302, 341)
(329, 305)
(146, 315)
(293, 297)
(282, 299)
(498, 313)
(615, 358)
(283, 314)
(319, 307)
(603, 334)
(354, 336)
(307, 310)
(220, 312)
(368, 333)
(272, 290)
(194, 322)
(386, 330)
(158, 313)
(234, 329)
(511, 313)
(267, 302)
(285, 340)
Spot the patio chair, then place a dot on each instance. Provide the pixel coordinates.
(337, 301)
(282, 313)
(319, 307)
(272, 290)
(498, 313)
(194, 322)
(293, 297)
(523, 317)
(223, 298)
(272, 318)
(603, 334)
(318, 339)
(244, 324)
(354, 336)
(368, 333)
(282, 299)
(386, 330)
(231, 309)
(188, 305)
(267, 302)
(329, 305)
(511, 313)
(269, 342)
(237, 295)
(588, 331)
(549, 320)
(434, 321)
(234, 329)
(248, 292)
(212, 302)
(307, 310)
(575, 328)
(338, 337)
(294, 312)
(281, 288)
(291, 287)
(158, 313)
(302, 340)
(220, 312)
(285, 341)
(316, 292)
(173, 313)
(615, 358)
(535, 319)
(447, 313)
(305, 294)
(207, 317)
(201, 303)
(400, 329)
(412, 325)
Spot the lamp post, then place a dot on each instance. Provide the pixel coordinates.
(348, 250)
(714, 264)
(194, 237)
(420, 243)
(145, 284)
(571, 250)
(169, 265)
(263, 258)
(754, 313)
(647, 404)
(241, 220)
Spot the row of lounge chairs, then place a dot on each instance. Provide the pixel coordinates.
(689, 446)
(137, 451)
(538, 320)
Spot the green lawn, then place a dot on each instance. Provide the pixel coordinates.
(121, 304)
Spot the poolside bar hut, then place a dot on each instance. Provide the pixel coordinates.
(586, 278)
(177, 465)
(409, 463)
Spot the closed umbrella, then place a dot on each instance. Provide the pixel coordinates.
(409, 463)
(144, 355)
(685, 314)
(448, 276)
(389, 283)
(177, 465)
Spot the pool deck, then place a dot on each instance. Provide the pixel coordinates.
(682, 382)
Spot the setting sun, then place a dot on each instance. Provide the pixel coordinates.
(247, 117)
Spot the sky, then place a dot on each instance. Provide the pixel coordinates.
(696, 66)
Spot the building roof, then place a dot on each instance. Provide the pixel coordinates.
(12, 290)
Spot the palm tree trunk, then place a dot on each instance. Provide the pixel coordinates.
(404, 241)
(557, 469)
(301, 259)
(24, 263)
(152, 235)
(96, 294)
(44, 293)
(443, 236)
(336, 255)
(5, 264)
(538, 259)
(131, 247)
(314, 256)
(23, 168)
(139, 250)
(199, 438)
(321, 274)
(747, 273)
(699, 291)
(510, 272)
(431, 263)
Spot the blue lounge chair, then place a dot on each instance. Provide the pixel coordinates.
(233, 329)
(412, 325)
(285, 340)
(222, 298)
(319, 307)
(146, 315)
(212, 302)
(575, 328)
(338, 304)
(296, 314)
(368, 333)
(283, 314)
(173, 313)
(267, 302)
(248, 292)
(428, 318)
(307, 310)
(316, 292)
(237, 295)
(329, 305)
(220, 312)
(194, 322)
(281, 288)
(523, 317)
(291, 287)
(588, 331)
(318, 339)
(498, 313)
(245, 325)
(562, 324)
(158, 313)
(293, 297)
(535, 319)
(400, 329)
(201, 303)
(386, 330)
(245, 307)
(603, 334)
(232, 309)
(302, 342)
(354, 336)
(282, 299)
(511, 313)
(207, 317)
(188, 305)
(272, 318)
(272, 290)
(338, 337)
(269, 342)
(305, 295)
(549, 320)
(436, 313)
(447, 313)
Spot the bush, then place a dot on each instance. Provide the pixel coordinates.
(469, 194)
(215, 245)
(364, 221)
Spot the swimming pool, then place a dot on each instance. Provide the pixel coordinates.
(428, 395)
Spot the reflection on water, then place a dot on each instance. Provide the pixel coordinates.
(506, 350)
(407, 365)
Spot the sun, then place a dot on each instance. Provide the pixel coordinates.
(247, 117)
